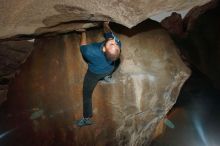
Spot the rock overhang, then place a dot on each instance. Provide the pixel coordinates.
(29, 17)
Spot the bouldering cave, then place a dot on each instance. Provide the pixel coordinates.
(164, 91)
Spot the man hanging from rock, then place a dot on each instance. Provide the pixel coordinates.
(101, 58)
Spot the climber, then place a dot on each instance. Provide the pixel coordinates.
(101, 58)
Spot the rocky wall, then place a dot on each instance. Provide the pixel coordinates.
(127, 111)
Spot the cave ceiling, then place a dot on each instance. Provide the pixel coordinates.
(36, 17)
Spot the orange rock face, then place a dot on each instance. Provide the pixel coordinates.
(126, 111)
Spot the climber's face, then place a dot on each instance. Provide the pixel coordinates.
(111, 50)
(111, 45)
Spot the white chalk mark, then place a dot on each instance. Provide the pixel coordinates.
(32, 40)
(138, 88)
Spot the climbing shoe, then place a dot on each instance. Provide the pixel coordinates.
(107, 79)
(84, 122)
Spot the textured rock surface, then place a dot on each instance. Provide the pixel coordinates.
(193, 15)
(180, 26)
(174, 24)
(126, 111)
(36, 17)
(12, 55)
(199, 41)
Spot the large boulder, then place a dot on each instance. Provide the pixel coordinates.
(180, 26)
(127, 111)
(34, 17)
(197, 39)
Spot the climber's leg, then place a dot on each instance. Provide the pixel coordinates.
(90, 81)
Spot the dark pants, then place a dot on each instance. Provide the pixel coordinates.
(90, 81)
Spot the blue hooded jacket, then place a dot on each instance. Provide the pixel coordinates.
(95, 57)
